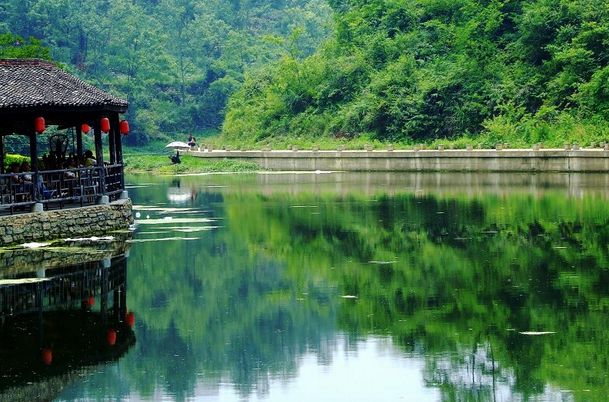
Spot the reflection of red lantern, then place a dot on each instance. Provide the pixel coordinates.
(111, 337)
(39, 125)
(85, 128)
(124, 127)
(130, 319)
(90, 301)
(104, 124)
(47, 356)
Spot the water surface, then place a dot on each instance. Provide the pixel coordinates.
(357, 287)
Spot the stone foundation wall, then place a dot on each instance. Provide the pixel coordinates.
(483, 160)
(66, 223)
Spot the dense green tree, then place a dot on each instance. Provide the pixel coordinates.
(14, 47)
(177, 62)
(419, 70)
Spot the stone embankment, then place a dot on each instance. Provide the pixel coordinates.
(572, 160)
(66, 223)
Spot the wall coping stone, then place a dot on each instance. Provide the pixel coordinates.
(421, 160)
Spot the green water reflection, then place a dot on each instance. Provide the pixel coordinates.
(259, 288)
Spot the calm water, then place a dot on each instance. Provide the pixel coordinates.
(354, 287)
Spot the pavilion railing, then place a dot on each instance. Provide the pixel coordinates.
(59, 188)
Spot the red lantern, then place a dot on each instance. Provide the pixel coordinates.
(39, 125)
(85, 128)
(104, 124)
(124, 127)
(130, 319)
(47, 356)
(111, 337)
(90, 301)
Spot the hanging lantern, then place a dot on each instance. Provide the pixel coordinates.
(130, 319)
(111, 337)
(85, 128)
(47, 356)
(124, 127)
(105, 125)
(39, 125)
(90, 301)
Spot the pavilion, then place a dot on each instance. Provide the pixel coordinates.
(35, 94)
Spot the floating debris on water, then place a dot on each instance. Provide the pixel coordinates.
(349, 297)
(535, 333)
(382, 262)
(194, 230)
(160, 209)
(154, 232)
(35, 245)
(94, 238)
(174, 220)
(162, 239)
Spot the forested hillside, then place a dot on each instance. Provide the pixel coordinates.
(390, 70)
(422, 70)
(176, 61)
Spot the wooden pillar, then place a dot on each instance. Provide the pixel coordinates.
(1, 154)
(99, 156)
(114, 133)
(34, 166)
(99, 153)
(118, 149)
(34, 152)
(79, 142)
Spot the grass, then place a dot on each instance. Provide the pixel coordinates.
(153, 158)
(553, 132)
(579, 135)
(139, 163)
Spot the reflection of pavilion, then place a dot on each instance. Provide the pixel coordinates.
(56, 323)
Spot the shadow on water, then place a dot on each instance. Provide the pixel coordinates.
(58, 322)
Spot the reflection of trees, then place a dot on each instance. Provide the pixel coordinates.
(214, 310)
(453, 279)
(465, 273)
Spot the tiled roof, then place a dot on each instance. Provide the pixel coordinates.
(31, 83)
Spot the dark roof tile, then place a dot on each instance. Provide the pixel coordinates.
(27, 83)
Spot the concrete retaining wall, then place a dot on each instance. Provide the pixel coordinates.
(66, 223)
(514, 160)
